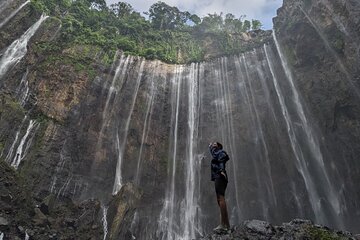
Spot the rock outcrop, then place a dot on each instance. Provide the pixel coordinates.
(297, 230)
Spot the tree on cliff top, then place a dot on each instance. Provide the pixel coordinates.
(165, 33)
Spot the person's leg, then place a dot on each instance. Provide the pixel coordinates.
(223, 211)
(220, 187)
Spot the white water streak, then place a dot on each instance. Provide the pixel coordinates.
(17, 50)
(166, 222)
(228, 115)
(104, 221)
(121, 149)
(13, 14)
(245, 92)
(301, 163)
(1, 236)
(27, 237)
(270, 189)
(23, 89)
(149, 108)
(312, 142)
(333, 53)
(191, 203)
(59, 167)
(22, 149)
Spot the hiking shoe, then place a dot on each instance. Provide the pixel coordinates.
(222, 229)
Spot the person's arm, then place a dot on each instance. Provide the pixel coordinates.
(212, 151)
(222, 156)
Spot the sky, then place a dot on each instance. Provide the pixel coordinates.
(263, 10)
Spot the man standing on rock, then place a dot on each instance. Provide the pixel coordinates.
(219, 176)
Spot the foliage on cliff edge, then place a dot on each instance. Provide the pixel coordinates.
(166, 33)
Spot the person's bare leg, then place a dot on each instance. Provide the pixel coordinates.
(223, 212)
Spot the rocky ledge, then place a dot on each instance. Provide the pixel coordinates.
(295, 230)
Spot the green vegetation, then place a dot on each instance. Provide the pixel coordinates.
(318, 233)
(166, 33)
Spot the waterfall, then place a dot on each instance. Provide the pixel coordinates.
(17, 50)
(166, 220)
(121, 146)
(301, 163)
(22, 148)
(27, 237)
(11, 150)
(312, 143)
(1, 235)
(268, 182)
(13, 13)
(22, 91)
(104, 221)
(225, 109)
(146, 128)
(59, 167)
(191, 203)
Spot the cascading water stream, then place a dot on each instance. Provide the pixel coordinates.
(191, 203)
(104, 221)
(145, 132)
(226, 113)
(121, 146)
(11, 150)
(312, 144)
(59, 167)
(6, 20)
(247, 102)
(1, 235)
(119, 76)
(17, 50)
(270, 189)
(22, 91)
(27, 237)
(301, 164)
(166, 220)
(21, 149)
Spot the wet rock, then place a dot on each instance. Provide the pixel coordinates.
(70, 222)
(122, 209)
(39, 219)
(6, 198)
(4, 221)
(21, 229)
(295, 230)
(47, 204)
(259, 227)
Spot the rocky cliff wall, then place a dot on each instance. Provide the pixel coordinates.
(79, 126)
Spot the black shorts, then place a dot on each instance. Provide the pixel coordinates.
(220, 186)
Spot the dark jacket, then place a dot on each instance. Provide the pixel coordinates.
(218, 162)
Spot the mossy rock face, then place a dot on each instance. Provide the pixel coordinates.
(11, 115)
(323, 234)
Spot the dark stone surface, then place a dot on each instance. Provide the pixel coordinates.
(296, 230)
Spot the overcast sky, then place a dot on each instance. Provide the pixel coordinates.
(263, 10)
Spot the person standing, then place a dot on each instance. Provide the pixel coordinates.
(220, 178)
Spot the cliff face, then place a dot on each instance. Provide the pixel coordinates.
(133, 133)
(322, 46)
